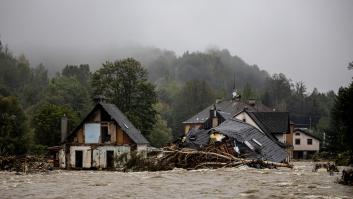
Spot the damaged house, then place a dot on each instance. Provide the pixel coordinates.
(250, 129)
(103, 135)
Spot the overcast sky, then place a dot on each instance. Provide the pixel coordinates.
(307, 40)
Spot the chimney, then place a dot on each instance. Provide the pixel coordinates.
(64, 128)
(213, 116)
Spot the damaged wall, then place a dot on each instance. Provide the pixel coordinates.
(94, 156)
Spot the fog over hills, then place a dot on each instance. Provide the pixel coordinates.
(307, 41)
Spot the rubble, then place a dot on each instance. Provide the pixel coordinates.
(330, 167)
(25, 164)
(347, 177)
(209, 157)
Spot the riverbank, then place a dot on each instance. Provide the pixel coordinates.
(240, 182)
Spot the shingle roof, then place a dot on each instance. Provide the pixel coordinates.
(124, 123)
(273, 122)
(121, 119)
(228, 108)
(241, 132)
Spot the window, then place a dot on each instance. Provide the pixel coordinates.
(105, 134)
(310, 141)
(297, 141)
(297, 134)
(92, 132)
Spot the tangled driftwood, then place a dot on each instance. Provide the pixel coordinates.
(25, 163)
(210, 157)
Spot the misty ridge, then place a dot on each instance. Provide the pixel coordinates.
(184, 84)
(215, 65)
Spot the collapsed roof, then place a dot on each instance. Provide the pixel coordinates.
(246, 136)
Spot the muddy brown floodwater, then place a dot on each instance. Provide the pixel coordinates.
(241, 182)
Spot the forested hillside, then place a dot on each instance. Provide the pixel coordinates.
(32, 103)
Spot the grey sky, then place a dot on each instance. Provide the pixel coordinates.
(306, 40)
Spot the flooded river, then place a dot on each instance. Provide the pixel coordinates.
(241, 182)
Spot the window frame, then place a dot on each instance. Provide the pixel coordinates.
(311, 141)
(297, 141)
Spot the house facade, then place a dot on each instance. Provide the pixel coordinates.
(99, 139)
(305, 144)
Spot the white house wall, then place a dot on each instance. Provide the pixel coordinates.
(86, 155)
(303, 142)
(281, 137)
(244, 116)
(99, 155)
(62, 160)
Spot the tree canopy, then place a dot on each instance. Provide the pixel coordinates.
(125, 84)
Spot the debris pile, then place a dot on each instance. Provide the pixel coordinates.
(26, 164)
(209, 157)
(330, 167)
(347, 177)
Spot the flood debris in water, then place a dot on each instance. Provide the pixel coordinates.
(330, 167)
(347, 177)
(25, 164)
(212, 156)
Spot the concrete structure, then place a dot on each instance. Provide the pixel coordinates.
(305, 144)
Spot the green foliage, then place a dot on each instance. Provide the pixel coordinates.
(34, 90)
(340, 134)
(70, 92)
(125, 84)
(160, 134)
(248, 93)
(46, 123)
(81, 73)
(39, 149)
(192, 98)
(13, 127)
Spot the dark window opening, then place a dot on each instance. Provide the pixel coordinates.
(104, 134)
(310, 141)
(297, 141)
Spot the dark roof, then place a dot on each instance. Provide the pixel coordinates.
(201, 138)
(273, 122)
(306, 131)
(241, 132)
(120, 118)
(124, 123)
(227, 108)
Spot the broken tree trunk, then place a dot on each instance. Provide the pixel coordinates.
(197, 159)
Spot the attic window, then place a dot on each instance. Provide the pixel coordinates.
(125, 125)
(249, 145)
(192, 138)
(297, 134)
(257, 142)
